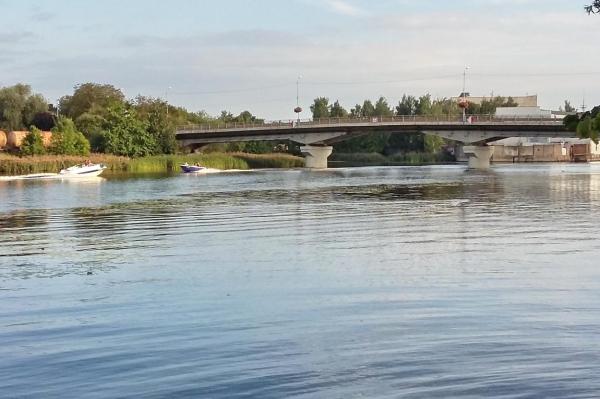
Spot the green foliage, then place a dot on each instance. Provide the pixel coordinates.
(571, 122)
(18, 106)
(382, 108)
(320, 108)
(67, 140)
(337, 111)
(489, 106)
(33, 143)
(92, 127)
(90, 98)
(433, 144)
(407, 106)
(589, 128)
(368, 109)
(126, 135)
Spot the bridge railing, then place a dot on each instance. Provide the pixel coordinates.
(407, 119)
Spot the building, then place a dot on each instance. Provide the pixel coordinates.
(522, 101)
(525, 149)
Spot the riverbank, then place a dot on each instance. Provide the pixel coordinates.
(11, 165)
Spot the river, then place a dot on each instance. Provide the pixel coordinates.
(412, 282)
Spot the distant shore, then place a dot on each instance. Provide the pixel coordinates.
(11, 165)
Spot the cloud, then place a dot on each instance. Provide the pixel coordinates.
(342, 7)
(15, 37)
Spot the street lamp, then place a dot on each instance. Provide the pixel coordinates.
(298, 109)
(464, 103)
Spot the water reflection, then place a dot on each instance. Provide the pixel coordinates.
(422, 282)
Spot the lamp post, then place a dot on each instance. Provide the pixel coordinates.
(298, 109)
(464, 103)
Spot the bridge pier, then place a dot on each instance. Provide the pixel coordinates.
(315, 157)
(479, 156)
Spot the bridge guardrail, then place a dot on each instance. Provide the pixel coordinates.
(409, 119)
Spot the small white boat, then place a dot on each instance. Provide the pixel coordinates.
(89, 170)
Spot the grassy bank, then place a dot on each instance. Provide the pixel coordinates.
(12, 165)
(409, 158)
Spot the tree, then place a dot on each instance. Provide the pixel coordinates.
(67, 140)
(424, 105)
(18, 106)
(92, 127)
(368, 109)
(382, 108)
(337, 111)
(126, 135)
(90, 98)
(43, 120)
(33, 143)
(593, 8)
(356, 112)
(568, 107)
(407, 106)
(320, 108)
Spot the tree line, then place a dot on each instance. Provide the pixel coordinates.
(390, 144)
(98, 118)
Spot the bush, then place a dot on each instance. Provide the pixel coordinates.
(33, 143)
(67, 140)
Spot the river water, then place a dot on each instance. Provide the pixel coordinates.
(412, 282)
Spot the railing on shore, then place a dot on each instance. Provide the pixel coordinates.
(407, 119)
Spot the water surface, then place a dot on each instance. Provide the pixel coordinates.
(412, 282)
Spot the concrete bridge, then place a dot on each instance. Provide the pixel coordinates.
(318, 135)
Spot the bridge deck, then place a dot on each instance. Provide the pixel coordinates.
(408, 122)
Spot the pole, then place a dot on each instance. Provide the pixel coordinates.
(464, 94)
(298, 97)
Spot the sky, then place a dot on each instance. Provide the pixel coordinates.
(248, 54)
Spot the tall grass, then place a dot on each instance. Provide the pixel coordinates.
(275, 160)
(13, 165)
(408, 158)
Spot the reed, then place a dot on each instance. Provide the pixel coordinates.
(14, 165)
(274, 160)
(170, 163)
(408, 158)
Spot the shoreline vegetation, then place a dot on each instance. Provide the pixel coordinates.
(11, 165)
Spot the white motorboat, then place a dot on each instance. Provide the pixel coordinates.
(84, 170)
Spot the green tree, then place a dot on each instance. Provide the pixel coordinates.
(424, 105)
(153, 112)
(382, 108)
(320, 108)
(337, 111)
(18, 106)
(356, 112)
(33, 143)
(407, 106)
(90, 98)
(92, 127)
(126, 135)
(433, 144)
(589, 127)
(368, 109)
(67, 140)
